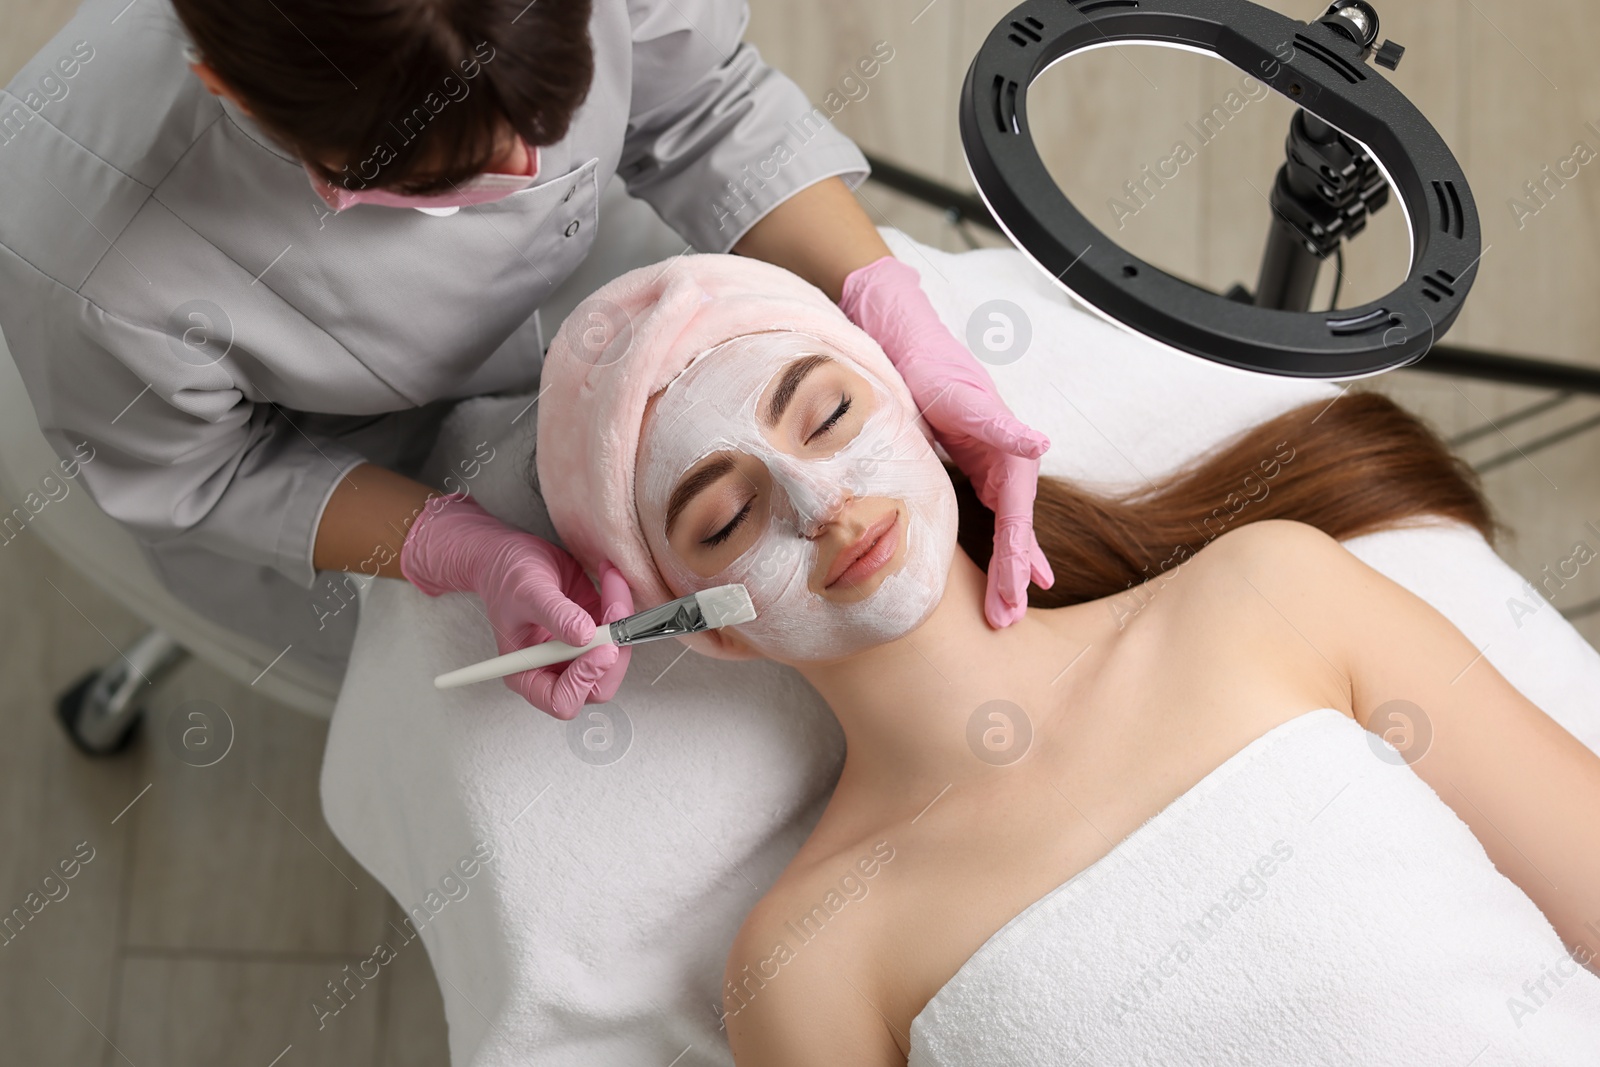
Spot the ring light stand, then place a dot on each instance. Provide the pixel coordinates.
(1354, 130)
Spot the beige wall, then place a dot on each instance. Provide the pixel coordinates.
(1508, 94)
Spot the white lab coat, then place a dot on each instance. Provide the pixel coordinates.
(175, 294)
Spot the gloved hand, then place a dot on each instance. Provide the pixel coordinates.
(959, 400)
(532, 590)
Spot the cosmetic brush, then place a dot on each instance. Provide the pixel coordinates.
(711, 609)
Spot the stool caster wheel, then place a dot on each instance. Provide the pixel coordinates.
(83, 705)
(99, 712)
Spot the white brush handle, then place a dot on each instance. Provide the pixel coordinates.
(523, 659)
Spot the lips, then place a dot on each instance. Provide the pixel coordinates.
(874, 548)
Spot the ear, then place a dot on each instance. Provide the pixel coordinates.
(216, 86)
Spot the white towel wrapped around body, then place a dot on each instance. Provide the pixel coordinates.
(1306, 903)
(628, 846)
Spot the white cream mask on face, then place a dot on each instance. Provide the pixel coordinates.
(712, 407)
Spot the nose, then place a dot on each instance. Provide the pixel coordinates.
(819, 526)
(817, 500)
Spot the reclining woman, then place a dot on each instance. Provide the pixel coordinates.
(1150, 822)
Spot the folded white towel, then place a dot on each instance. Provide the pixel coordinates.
(1306, 903)
(596, 934)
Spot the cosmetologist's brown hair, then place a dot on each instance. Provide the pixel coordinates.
(414, 96)
(1355, 466)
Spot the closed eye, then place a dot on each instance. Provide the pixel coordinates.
(838, 413)
(727, 531)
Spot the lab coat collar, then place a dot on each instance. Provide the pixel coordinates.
(250, 129)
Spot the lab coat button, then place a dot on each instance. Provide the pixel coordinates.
(572, 228)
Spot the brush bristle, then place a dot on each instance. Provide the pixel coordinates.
(726, 605)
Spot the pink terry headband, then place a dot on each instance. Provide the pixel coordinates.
(624, 344)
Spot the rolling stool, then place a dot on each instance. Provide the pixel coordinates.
(102, 710)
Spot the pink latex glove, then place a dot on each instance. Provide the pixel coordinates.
(532, 590)
(959, 400)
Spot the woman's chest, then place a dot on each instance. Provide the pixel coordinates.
(1160, 717)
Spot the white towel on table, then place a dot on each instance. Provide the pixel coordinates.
(1308, 902)
(596, 933)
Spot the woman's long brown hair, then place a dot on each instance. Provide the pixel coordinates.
(1353, 466)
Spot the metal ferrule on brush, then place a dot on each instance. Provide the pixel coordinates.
(668, 620)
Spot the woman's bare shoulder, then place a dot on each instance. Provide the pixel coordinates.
(1269, 554)
(1272, 542)
(1271, 600)
(831, 891)
(796, 976)
(1293, 557)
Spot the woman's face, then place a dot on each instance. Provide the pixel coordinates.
(779, 462)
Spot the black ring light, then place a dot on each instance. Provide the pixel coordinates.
(1318, 65)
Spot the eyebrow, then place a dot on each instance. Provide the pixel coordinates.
(693, 485)
(789, 384)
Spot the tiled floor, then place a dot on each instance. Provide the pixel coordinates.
(216, 904)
